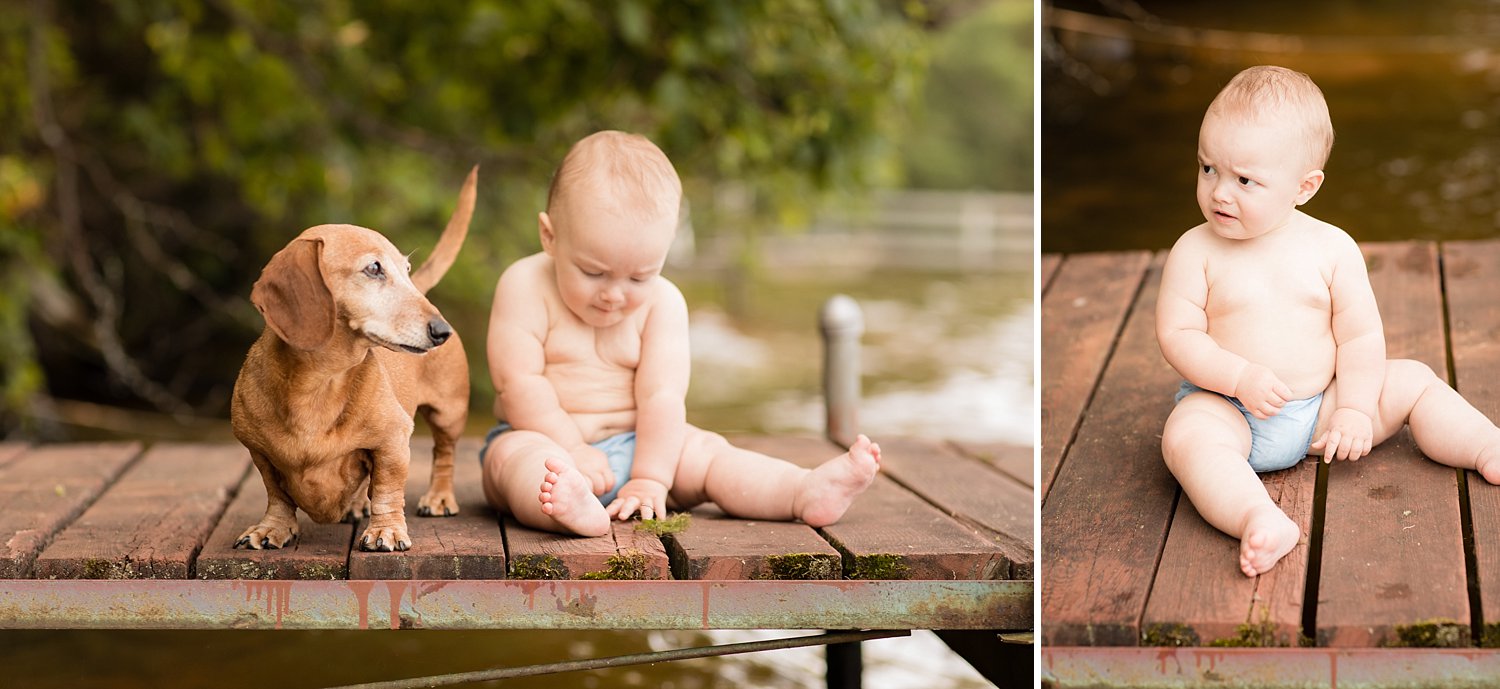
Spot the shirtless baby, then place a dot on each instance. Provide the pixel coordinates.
(588, 350)
(1269, 315)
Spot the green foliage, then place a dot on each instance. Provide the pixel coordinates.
(972, 127)
(158, 152)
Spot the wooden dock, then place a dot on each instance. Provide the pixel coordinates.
(1402, 551)
(943, 536)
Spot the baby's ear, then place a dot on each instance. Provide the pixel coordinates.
(544, 228)
(1311, 183)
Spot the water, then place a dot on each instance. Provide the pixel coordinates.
(946, 355)
(1413, 90)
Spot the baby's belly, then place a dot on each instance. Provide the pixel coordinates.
(1304, 361)
(601, 402)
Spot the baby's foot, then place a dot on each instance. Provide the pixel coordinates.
(568, 498)
(1268, 536)
(826, 492)
(1488, 464)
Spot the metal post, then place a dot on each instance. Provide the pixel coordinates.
(845, 665)
(842, 323)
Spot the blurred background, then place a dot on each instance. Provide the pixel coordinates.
(154, 154)
(1413, 90)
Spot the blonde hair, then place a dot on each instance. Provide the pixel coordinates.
(1283, 94)
(628, 167)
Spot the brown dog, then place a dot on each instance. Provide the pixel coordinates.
(325, 399)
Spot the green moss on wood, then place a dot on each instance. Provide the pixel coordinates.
(537, 567)
(1169, 635)
(1491, 636)
(1434, 633)
(878, 566)
(1249, 635)
(630, 564)
(801, 566)
(676, 523)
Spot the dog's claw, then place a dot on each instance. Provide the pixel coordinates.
(424, 512)
(243, 542)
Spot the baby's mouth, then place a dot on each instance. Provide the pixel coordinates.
(1223, 216)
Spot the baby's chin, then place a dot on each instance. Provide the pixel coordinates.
(598, 318)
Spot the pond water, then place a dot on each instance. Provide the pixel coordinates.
(1413, 90)
(945, 355)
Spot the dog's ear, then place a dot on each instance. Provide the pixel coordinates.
(293, 296)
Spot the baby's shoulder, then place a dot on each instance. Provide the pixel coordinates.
(1331, 239)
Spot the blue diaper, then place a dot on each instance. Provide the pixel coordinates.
(618, 449)
(1280, 441)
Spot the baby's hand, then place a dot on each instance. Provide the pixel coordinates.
(646, 495)
(1349, 436)
(594, 466)
(1262, 393)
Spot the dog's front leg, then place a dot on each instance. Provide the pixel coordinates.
(279, 525)
(387, 530)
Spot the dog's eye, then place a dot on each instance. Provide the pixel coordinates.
(375, 270)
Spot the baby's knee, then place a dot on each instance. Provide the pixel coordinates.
(1409, 371)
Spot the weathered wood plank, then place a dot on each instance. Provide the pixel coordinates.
(890, 533)
(1200, 595)
(1016, 461)
(1081, 315)
(1105, 521)
(1047, 269)
(151, 523)
(1471, 277)
(10, 451)
(1393, 554)
(622, 554)
(321, 551)
(467, 545)
(969, 491)
(717, 546)
(47, 488)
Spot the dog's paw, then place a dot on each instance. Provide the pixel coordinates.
(360, 510)
(437, 504)
(266, 537)
(385, 539)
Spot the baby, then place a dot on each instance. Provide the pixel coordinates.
(588, 350)
(1269, 315)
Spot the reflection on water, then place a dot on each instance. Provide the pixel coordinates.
(945, 356)
(1413, 89)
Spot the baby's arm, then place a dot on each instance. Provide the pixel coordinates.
(518, 326)
(1182, 333)
(661, 383)
(1359, 366)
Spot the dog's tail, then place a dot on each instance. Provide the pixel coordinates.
(437, 265)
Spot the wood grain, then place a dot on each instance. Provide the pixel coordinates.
(47, 488)
(1081, 316)
(153, 521)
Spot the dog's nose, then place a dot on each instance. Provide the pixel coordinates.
(438, 331)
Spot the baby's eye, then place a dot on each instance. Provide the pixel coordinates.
(1246, 181)
(1208, 169)
(591, 274)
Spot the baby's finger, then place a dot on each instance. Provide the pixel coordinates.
(647, 512)
(1331, 448)
(1282, 391)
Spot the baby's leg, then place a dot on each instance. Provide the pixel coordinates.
(1206, 442)
(751, 485)
(1446, 427)
(531, 477)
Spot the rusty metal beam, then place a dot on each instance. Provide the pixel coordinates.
(1269, 668)
(514, 604)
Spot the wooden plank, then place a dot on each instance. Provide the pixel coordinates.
(1047, 269)
(1200, 595)
(622, 554)
(968, 491)
(890, 533)
(467, 545)
(1015, 461)
(1471, 278)
(1393, 554)
(10, 451)
(321, 551)
(1105, 522)
(717, 546)
(155, 518)
(1081, 316)
(47, 488)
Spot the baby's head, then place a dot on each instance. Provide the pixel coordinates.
(610, 220)
(1261, 149)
